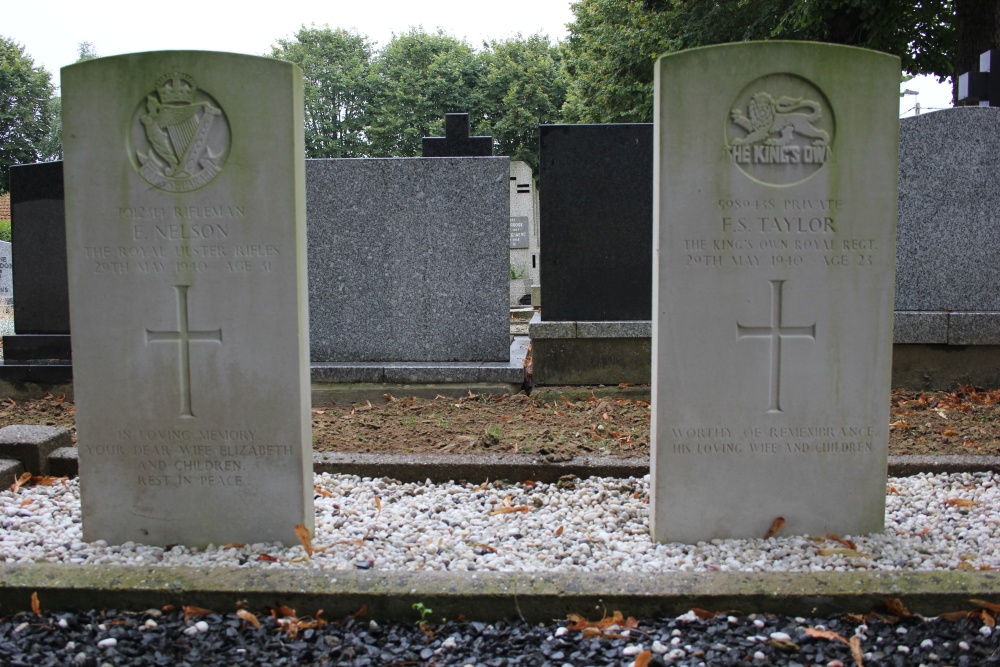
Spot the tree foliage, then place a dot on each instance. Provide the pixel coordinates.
(418, 77)
(336, 66)
(523, 85)
(613, 44)
(25, 110)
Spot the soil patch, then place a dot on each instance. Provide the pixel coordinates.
(966, 421)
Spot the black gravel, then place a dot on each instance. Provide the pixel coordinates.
(72, 639)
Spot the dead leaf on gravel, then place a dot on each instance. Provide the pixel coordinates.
(896, 607)
(824, 634)
(36, 606)
(783, 645)
(190, 611)
(643, 659)
(841, 540)
(891, 490)
(248, 617)
(995, 608)
(20, 481)
(776, 525)
(305, 538)
(960, 502)
(856, 652)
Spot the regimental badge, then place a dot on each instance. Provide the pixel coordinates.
(780, 130)
(179, 136)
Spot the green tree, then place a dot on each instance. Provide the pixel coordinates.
(523, 85)
(417, 78)
(51, 147)
(25, 110)
(86, 51)
(613, 43)
(336, 65)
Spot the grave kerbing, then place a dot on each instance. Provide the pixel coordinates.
(774, 224)
(186, 251)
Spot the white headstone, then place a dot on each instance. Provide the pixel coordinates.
(523, 231)
(185, 217)
(6, 274)
(775, 212)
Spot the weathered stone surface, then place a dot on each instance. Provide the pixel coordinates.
(32, 445)
(772, 330)
(188, 297)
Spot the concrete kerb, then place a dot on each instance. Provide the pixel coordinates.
(441, 468)
(489, 596)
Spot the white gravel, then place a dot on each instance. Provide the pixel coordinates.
(933, 522)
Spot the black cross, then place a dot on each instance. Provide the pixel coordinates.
(980, 86)
(456, 141)
(185, 337)
(775, 332)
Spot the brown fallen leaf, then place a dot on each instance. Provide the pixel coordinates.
(389, 397)
(995, 608)
(48, 480)
(960, 502)
(267, 558)
(248, 617)
(233, 545)
(896, 607)
(949, 432)
(190, 611)
(559, 531)
(776, 525)
(323, 492)
(36, 606)
(511, 510)
(282, 610)
(305, 538)
(783, 645)
(20, 481)
(856, 652)
(706, 615)
(892, 491)
(643, 659)
(824, 634)
(837, 538)
(956, 615)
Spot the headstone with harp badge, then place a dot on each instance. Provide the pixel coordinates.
(774, 224)
(185, 212)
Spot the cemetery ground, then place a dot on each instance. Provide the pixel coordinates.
(584, 421)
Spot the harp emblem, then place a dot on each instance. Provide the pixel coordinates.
(180, 135)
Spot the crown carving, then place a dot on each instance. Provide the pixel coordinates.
(176, 88)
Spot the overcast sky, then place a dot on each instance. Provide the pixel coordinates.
(51, 30)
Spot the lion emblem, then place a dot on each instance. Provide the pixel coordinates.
(769, 117)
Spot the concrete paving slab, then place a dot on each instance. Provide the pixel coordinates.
(489, 596)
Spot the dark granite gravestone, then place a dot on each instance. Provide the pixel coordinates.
(596, 199)
(980, 86)
(457, 142)
(41, 309)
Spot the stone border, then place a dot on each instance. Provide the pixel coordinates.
(488, 596)
(442, 468)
